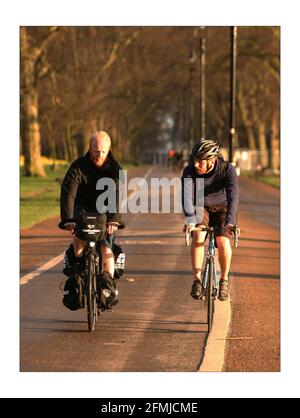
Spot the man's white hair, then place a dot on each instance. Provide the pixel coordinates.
(100, 136)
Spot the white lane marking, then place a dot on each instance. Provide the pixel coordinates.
(56, 260)
(47, 266)
(214, 354)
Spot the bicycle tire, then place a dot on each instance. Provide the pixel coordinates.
(210, 297)
(91, 295)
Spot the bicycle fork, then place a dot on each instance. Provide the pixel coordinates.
(210, 256)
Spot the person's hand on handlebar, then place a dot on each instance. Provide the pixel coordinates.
(70, 226)
(112, 227)
(231, 229)
(188, 227)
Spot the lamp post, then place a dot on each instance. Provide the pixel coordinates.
(192, 60)
(202, 87)
(233, 31)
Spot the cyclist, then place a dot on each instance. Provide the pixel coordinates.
(79, 193)
(221, 197)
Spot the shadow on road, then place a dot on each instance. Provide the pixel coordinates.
(159, 272)
(113, 324)
(259, 240)
(255, 276)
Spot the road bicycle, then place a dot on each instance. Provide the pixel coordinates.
(210, 283)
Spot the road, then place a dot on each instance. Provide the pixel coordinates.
(157, 326)
(255, 286)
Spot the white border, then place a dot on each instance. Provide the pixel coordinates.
(15, 384)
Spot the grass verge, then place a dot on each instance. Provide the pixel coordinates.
(39, 197)
(273, 181)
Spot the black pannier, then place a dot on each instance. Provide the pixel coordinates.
(91, 226)
(73, 291)
(107, 291)
(119, 261)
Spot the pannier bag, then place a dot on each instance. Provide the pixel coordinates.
(107, 291)
(119, 261)
(91, 226)
(72, 265)
(73, 298)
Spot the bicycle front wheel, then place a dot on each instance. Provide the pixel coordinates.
(91, 296)
(210, 296)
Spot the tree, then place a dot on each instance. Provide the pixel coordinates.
(32, 69)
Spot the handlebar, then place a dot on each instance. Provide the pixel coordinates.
(235, 229)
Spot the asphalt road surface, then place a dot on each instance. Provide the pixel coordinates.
(157, 326)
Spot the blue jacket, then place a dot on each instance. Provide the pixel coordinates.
(217, 191)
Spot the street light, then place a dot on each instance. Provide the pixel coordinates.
(192, 61)
(202, 87)
(233, 31)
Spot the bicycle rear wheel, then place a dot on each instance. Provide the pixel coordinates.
(91, 295)
(210, 296)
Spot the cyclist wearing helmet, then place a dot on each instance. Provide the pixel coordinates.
(221, 197)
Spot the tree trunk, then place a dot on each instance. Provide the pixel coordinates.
(65, 149)
(72, 147)
(32, 137)
(262, 142)
(275, 162)
(51, 142)
(89, 127)
(246, 119)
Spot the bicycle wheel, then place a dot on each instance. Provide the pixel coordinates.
(210, 297)
(91, 295)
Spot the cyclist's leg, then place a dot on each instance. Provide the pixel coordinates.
(78, 246)
(197, 253)
(225, 254)
(197, 247)
(73, 261)
(223, 243)
(107, 254)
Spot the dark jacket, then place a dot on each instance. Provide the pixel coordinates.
(219, 189)
(79, 187)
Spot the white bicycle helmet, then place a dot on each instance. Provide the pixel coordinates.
(205, 150)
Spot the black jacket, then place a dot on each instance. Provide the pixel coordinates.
(79, 187)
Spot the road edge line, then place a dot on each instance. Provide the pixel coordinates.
(214, 353)
(42, 269)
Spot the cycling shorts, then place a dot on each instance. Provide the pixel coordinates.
(215, 216)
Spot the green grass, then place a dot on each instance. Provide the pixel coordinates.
(39, 198)
(273, 181)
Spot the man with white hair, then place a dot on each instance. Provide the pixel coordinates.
(79, 194)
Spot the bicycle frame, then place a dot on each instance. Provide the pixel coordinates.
(211, 254)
